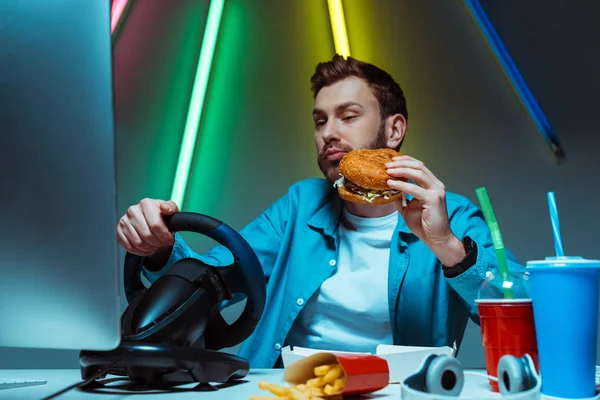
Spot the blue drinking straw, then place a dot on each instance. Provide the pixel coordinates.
(558, 247)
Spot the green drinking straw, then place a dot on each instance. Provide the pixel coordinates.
(490, 218)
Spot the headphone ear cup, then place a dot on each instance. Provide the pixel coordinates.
(444, 376)
(513, 375)
(416, 381)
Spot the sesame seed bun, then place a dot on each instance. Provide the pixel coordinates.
(364, 171)
(366, 167)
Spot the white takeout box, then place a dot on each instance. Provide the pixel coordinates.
(402, 360)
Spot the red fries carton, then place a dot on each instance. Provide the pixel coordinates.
(336, 374)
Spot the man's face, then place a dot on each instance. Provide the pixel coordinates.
(347, 117)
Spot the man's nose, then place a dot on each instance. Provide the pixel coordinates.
(330, 132)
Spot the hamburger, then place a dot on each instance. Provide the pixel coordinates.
(364, 177)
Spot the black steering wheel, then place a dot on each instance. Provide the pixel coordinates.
(192, 287)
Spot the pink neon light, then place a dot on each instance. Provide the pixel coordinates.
(115, 13)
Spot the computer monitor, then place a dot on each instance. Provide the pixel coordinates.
(59, 283)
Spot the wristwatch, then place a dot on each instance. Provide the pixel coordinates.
(466, 263)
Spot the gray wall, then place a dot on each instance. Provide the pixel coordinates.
(465, 121)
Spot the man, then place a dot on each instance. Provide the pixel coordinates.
(347, 276)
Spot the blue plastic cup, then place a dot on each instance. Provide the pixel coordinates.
(564, 292)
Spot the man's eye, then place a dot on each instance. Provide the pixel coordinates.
(349, 117)
(319, 122)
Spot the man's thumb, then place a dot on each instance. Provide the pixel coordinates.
(169, 207)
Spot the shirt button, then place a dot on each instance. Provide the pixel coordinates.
(300, 301)
(277, 346)
(332, 262)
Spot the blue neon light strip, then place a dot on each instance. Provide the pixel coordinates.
(515, 78)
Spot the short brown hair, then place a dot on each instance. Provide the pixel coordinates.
(387, 92)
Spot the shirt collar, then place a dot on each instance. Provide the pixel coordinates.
(328, 216)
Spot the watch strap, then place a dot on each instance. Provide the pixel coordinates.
(467, 262)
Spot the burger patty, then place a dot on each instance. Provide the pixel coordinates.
(366, 194)
(354, 188)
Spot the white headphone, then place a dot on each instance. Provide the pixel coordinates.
(441, 377)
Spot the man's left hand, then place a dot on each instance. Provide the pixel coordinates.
(426, 215)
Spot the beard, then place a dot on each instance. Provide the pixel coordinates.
(331, 169)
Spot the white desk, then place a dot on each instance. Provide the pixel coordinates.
(59, 379)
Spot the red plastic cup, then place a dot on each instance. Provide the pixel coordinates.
(507, 327)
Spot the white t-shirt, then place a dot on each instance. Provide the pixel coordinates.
(350, 310)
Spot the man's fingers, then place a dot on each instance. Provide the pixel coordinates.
(410, 162)
(135, 240)
(142, 229)
(137, 219)
(124, 241)
(419, 176)
(155, 224)
(406, 161)
(169, 207)
(409, 188)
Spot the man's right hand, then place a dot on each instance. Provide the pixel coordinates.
(142, 230)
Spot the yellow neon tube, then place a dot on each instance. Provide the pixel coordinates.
(338, 26)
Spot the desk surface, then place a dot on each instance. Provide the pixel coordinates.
(477, 387)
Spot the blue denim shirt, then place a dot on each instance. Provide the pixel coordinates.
(296, 242)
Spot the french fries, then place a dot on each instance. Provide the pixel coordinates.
(328, 380)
